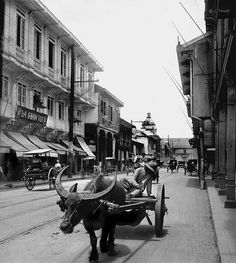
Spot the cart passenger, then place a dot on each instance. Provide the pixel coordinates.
(44, 164)
(142, 179)
(36, 163)
(58, 165)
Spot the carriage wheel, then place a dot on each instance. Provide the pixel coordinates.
(160, 210)
(29, 183)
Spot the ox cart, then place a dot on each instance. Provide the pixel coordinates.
(107, 208)
(39, 170)
(149, 203)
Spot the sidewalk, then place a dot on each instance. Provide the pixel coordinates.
(224, 220)
(18, 184)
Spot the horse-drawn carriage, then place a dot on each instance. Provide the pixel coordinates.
(181, 164)
(39, 169)
(88, 166)
(110, 165)
(191, 166)
(172, 165)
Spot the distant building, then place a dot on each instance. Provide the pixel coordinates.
(147, 135)
(103, 125)
(178, 148)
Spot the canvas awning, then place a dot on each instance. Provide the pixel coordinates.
(75, 148)
(22, 140)
(85, 147)
(43, 152)
(42, 145)
(57, 147)
(12, 144)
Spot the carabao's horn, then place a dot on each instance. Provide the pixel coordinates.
(59, 188)
(92, 196)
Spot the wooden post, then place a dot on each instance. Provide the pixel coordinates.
(231, 150)
(216, 168)
(71, 111)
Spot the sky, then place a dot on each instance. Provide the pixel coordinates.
(135, 42)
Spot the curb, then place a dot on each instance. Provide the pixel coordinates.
(212, 222)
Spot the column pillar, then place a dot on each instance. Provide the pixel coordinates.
(221, 152)
(231, 144)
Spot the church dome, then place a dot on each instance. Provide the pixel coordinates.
(148, 121)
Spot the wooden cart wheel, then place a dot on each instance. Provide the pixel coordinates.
(29, 183)
(159, 209)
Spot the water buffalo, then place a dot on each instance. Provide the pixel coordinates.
(91, 207)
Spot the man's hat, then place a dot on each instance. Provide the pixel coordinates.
(148, 167)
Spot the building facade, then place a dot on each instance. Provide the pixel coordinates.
(148, 138)
(36, 76)
(177, 148)
(125, 149)
(103, 125)
(207, 69)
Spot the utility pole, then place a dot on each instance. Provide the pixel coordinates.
(71, 111)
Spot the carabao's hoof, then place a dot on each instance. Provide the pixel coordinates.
(93, 258)
(112, 253)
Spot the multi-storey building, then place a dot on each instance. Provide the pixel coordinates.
(102, 125)
(125, 147)
(207, 67)
(36, 75)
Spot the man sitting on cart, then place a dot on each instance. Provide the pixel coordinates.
(141, 180)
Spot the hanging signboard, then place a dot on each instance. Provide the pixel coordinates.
(31, 116)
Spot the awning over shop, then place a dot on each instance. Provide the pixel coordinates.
(75, 148)
(41, 152)
(12, 144)
(60, 147)
(22, 140)
(57, 147)
(85, 147)
(42, 145)
(35, 140)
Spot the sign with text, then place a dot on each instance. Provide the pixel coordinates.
(31, 116)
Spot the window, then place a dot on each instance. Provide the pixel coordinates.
(51, 51)
(20, 29)
(37, 42)
(4, 87)
(103, 107)
(21, 94)
(50, 106)
(63, 62)
(90, 83)
(79, 115)
(110, 112)
(82, 76)
(61, 109)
